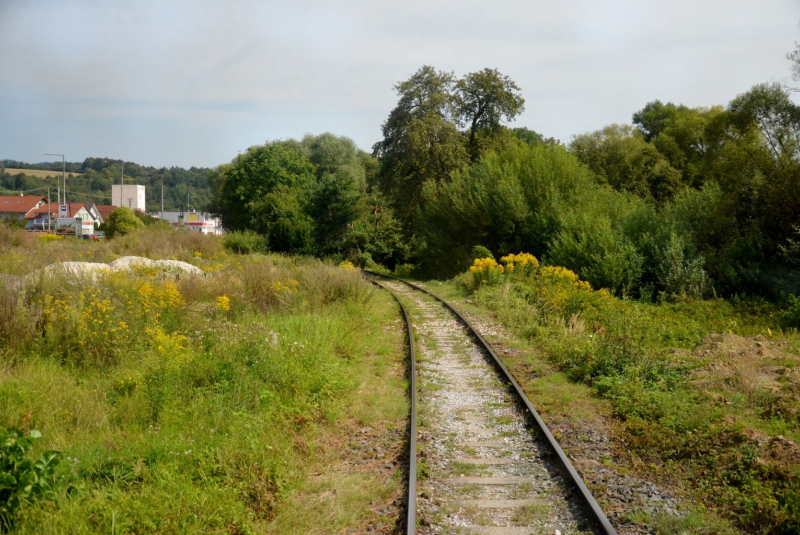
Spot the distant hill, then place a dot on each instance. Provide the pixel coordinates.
(91, 180)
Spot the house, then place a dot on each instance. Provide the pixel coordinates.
(21, 206)
(70, 214)
(103, 211)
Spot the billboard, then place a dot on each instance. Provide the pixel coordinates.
(68, 226)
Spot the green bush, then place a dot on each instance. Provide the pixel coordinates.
(791, 318)
(479, 251)
(122, 221)
(245, 242)
(21, 479)
(679, 273)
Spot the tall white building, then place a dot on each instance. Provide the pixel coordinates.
(132, 196)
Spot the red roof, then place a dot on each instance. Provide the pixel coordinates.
(72, 209)
(104, 210)
(19, 204)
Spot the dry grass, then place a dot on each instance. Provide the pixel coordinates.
(22, 252)
(38, 173)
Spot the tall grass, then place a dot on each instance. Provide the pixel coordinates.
(179, 406)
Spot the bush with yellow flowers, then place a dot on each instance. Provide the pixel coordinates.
(486, 271)
(520, 265)
(560, 291)
(555, 290)
(107, 317)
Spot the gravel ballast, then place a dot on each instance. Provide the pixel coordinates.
(487, 473)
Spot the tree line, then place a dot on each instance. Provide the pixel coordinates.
(92, 179)
(680, 201)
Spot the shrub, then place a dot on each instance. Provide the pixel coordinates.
(521, 265)
(245, 242)
(479, 251)
(485, 271)
(405, 271)
(791, 317)
(21, 479)
(678, 273)
(152, 221)
(122, 221)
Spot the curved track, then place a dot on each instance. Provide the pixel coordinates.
(487, 460)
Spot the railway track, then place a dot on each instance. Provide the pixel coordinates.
(487, 462)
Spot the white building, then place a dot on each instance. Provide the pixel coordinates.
(132, 196)
(195, 221)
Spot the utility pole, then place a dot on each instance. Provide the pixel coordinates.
(162, 195)
(63, 176)
(121, 183)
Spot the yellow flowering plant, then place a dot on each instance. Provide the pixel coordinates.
(346, 265)
(521, 265)
(486, 271)
(223, 303)
(555, 289)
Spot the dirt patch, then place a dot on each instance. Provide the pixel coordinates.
(755, 374)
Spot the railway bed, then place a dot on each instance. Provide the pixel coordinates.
(487, 463)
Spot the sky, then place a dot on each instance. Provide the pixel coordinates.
(193, 82)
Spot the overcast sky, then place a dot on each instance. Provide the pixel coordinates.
(191, 82)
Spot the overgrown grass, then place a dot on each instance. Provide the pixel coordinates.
(640, 357)
(193, 405)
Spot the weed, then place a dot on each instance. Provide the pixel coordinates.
(21, 479)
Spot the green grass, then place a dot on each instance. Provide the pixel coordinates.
(197, 418)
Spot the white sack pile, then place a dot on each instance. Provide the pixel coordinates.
(169, 268)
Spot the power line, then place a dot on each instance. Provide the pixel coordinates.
(25, 190)
(90, 195)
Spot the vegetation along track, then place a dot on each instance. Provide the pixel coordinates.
(487, 462)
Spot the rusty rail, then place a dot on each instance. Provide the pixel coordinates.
(411, 520)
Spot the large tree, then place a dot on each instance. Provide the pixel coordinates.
(264, 189)
(768, 111)
(481, 100)
(420, 140)
(423, 140)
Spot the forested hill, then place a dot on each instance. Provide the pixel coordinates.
(91, 180)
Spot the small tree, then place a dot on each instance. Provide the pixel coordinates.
(122, 221)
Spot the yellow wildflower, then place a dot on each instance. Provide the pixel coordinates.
(223, 303)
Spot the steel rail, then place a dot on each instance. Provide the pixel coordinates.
(411, 520)
(590, 504)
